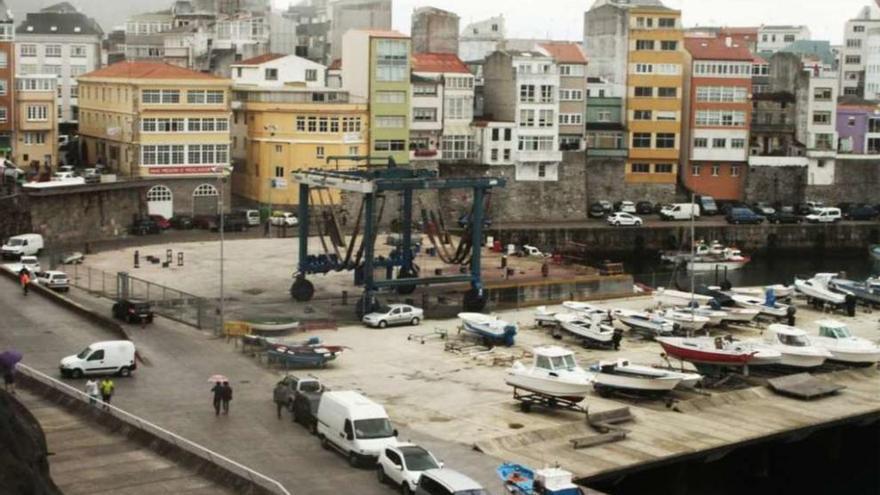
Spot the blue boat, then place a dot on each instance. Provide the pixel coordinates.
(490, 328)
(311, 354)
(520, 480)
(516, 478)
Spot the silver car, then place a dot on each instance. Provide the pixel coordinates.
(394, 314)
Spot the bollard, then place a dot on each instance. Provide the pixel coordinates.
(137, 257)
(180, 258)
(545, 269)
(503, 261)
(169, 255)
(345, 298)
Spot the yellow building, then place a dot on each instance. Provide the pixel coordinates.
(277, 130)
(155, 120)
(655, 88)
(36, 121)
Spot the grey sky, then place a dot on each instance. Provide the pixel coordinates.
(563, 19)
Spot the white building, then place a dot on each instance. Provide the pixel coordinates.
(854, 53)
(426, 124)
(523, 87)
(276, 70)
(775, 38)
(496, 142)
(481, 38)
(821, 135)
(60, 42)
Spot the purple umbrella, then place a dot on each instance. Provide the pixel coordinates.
(8, 359)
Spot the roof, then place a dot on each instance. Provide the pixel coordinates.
(147, 70)
(261, 59)
(819, 48)
(786, 330)
(59, 23)
(565, 52)
(551, 351)
(716, 49)
(5, 13)
(438, 62)
(757, 59)
(456, 481)
(60, 8)
(382, 33)
(335, 65)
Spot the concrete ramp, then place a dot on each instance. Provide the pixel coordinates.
(803, 386)
(88, 459)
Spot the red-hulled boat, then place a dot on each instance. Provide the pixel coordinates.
(718, 351)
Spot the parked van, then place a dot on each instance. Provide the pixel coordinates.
(825, 215)
(446, 481)
(111, 357)
(708, 206)
(354, 425)
(253, 217)
(25, 244)
(680, 211)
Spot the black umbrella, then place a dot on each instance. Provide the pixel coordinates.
(8, 359)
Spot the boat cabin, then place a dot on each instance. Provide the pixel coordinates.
(833, 330)
(787, 335)
(554, 358)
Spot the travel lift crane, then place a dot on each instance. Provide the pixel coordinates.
(372, 181)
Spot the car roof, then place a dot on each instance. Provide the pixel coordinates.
(452, 479)
(54, 272)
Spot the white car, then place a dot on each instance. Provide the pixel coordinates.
(63, 175)
(394, 314)
(54, 280)
(533, 252)
(620, 218)
(825, 215)
(285, 219)
(29, 263)
(403, 465)
(627, 207)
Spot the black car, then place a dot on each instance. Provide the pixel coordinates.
(845, 208)
(644, 208)
(182, 222)
(803, 209)
(231, 223)
(737, 216)
(784, 215)
(133, 310)
(726, 207)
(144, 226)
(861, 213)
(597, 211)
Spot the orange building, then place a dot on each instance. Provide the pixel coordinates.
(719, 110)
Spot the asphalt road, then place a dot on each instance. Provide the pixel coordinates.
(172, 391)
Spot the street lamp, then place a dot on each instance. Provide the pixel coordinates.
(222, 172)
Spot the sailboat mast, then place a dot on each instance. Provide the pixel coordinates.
(693, 249)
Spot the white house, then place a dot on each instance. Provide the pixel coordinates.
(821, 138)
(775, 38)
(496, 142)
(426, 125)
(274, 70)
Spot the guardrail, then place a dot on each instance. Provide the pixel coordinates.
(242, 472)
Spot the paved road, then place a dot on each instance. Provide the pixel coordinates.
(651, 221)
(173, 392)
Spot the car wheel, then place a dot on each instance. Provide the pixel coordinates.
(313, 427)
(324, 442)
(617, 224)
(380, 475)
(383, 324)
(415, 321)
(405, 489)
(125, 372)
(76, 373)
(638, 224)
(353, 460)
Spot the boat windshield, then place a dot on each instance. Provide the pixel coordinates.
(418, 459)
(373, 428)
(793, 340)
(563, 362)
(835, 332)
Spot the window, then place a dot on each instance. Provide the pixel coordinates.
(662, 168)
(527, 93)
(300, 123)
(858, 28)
(536, 143)
(644, 91)
(545, 118)
(353, 151)
(351, 124)
(642, 115)
(2, 87)
(424, 90)
(604, 116)
(665, 140)
(381, 122)
(319, 152)
(737, 143)
(527, 118)
(571, 70)
(853, 43)
(695, 170)
(667, 116)
(824, 141)
(734, 170)
(271, 74)
(716, 170)
(644, 44)
(74, 91)
(725, 94)
(643, 68)
(853, 59)
(392, 96)
(201, 97)
(4, 60)
(279, 172)
(822, 118)
(53, 50)
(669, 46)
(508, 135)
(571, 95)
(701, 143)
(425, 115)
(390, 145)
(392, 60)
(37, 113)
(641, 140)
(719, 143)
(28, 50)
(666, 22)
(506, 154)
(493, 157)
(3, 114)
(547, 94)
(667, 92)
(311, 75)
(571, 118)
(34, 138)
(641, 168)
(721, 118)
(788, 38)
(459, 107)
(822, 94)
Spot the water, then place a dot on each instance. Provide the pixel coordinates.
(764, 269)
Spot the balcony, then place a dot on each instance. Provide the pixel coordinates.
(607, 152)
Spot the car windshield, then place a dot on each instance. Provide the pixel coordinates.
(384, 309)
(85, 352)
(418, 459)
(16, 242)
(373, 428)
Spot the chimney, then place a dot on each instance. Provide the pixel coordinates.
(728, 41)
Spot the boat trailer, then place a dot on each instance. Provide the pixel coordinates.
(528, 398)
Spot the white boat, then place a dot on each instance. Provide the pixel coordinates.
(610, 375)
(715, 316)
(687, 380)
(816, 288)
(836, 338)
(795, 347)
(729, 259)
(489, 327)
(670, 297)
(594, 330)
(776, 310)
(554, 372)
(740, 315)
(587, 309)
(648, 324)
(545, 317)
(685, 320)
(779, 290)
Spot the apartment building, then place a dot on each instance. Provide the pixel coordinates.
(161, 121)
(605, 122)
(35, 121)
(572, 63)
(284, 121)
(774, 38)
(434, 31)
(426, 125)
(495, 141)
(321, 24)
(481, 38)
(654, 94)
(7, 81)
(376, 67)
(855, 51)
(718, 112)
(523, 87)
(858, 128)
(64, 43)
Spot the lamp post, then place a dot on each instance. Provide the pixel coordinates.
(221, 171)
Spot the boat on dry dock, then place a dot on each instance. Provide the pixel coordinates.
(553, 372)
(593, 332)
(621, 375)
(796, 349)
(836, 338)
(490, 328)
(718, 351)
(648, 324)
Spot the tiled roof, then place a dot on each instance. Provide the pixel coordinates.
(566, 53)
(716, 49)
(147, 70)
(438, 62)
(261, 59)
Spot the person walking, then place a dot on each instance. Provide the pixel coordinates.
(9, 379)
(92, 391)
(279, 395)
(107, 387)
(218, 397)
(227, 397)
(25, 278)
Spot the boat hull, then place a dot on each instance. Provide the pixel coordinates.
(637, 383)
(588, 333)
(645, 327)
(704, 355)
(547, 386)
(803, 360)
(711, 266)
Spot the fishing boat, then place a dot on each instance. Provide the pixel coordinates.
(554, 372)
(648, 324)
(686, 320)
(521, 480)
(588, 310)
(815, 288)
(544, 317)
(729, 259)
(670, 297)
(490, 328)
(836, 338)
(618, 375)
(874, 251)
(593, 331)
(717, 351)
(795, 347)
(303, 354)
(867, 291)
(767, 306)
(715, 316)
(779, 290)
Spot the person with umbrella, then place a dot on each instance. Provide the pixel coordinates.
(8, 360)
(218, 391)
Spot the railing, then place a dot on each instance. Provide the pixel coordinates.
(179, 442)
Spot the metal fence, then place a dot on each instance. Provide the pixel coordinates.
(94, 281)
(244, 472)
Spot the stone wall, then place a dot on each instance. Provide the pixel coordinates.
(855, 181)
(775, 184)
(15, 216)
(605, 181)
(24, 466)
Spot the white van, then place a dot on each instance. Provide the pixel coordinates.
(22, 245)
(253, 217)
(680, 211)
(111, 357)
(825, 215)
(354, 425)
